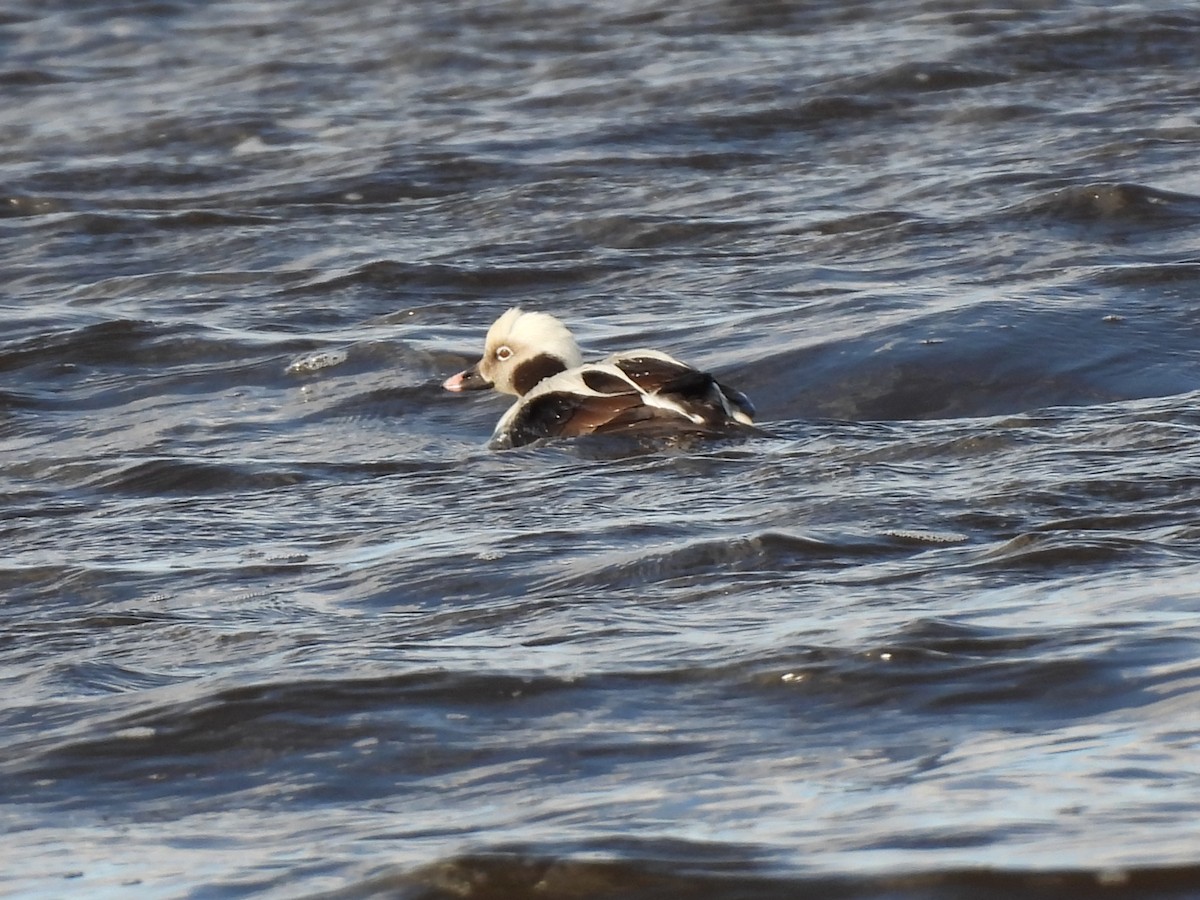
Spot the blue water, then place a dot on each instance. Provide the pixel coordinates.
(276, 621)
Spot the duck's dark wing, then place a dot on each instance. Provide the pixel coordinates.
(650, 371)
(696, 393)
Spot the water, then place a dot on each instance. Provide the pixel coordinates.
(278, 623)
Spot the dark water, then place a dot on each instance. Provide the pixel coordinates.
(275, 622)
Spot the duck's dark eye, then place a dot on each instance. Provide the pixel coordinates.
(503, 353)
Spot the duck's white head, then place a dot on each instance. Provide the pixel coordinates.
(521, 349)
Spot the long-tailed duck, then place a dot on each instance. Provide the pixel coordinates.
(534, 356)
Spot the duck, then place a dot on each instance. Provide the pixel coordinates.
(534, 356)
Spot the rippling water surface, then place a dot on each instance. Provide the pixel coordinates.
(276, 622)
